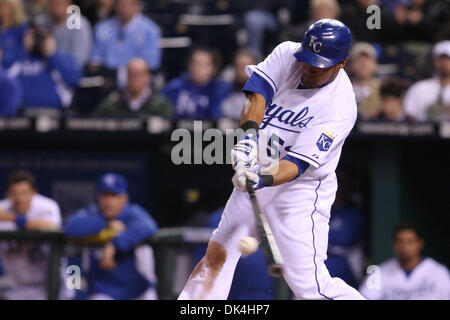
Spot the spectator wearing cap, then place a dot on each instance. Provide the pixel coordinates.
(127, 35)
(392, 91)
(362, 68)
(138, 98)
(429, 99)
(123, 268)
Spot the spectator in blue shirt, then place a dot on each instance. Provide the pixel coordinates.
(49, 75)
(251, 280)
(198, 94)
(127, 35)
(12, 31)
(123, 268)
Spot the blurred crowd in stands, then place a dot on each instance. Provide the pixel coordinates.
(187, 59)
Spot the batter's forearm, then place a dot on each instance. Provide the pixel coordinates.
(245, 152)
(283, 172)
(279, 173)
(254, 107)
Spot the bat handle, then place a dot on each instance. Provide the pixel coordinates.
(249, 186)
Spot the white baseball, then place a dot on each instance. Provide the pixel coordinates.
(248, 245)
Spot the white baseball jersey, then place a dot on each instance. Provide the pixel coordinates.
(310, 125)
(429, 280)
(26, 263)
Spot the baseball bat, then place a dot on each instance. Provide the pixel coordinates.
(268, 243)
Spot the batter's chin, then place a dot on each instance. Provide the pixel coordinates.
(311, 85)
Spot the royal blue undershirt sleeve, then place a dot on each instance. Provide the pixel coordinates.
(302, 165)
(258, 84)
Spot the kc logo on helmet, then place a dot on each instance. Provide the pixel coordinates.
(315, 45)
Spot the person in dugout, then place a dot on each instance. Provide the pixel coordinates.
(123, 268)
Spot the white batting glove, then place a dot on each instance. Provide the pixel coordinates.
(244, 155)
(240, 178)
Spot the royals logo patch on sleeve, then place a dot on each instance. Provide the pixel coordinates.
(325, 140)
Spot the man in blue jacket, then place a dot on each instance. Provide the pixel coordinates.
(122, 268)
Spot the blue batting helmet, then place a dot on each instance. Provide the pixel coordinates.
(325, 43)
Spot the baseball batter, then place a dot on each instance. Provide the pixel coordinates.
(302, 101)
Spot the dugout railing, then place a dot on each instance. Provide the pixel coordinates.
(166, 242)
